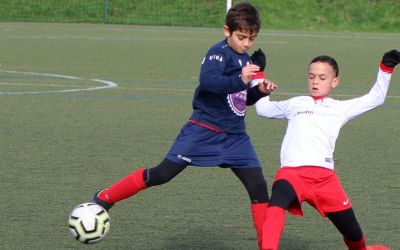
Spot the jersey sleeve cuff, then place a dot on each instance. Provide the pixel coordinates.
(385, 68)
(259, 75)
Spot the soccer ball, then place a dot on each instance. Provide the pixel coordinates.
(89, 223)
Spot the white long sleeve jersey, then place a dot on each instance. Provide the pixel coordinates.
(314, 125)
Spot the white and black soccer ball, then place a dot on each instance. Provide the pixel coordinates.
(89, 223)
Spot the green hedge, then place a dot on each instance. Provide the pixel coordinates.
(336, 15)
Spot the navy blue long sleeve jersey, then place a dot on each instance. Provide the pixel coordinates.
(220, 99)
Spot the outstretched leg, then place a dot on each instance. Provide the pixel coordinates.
(137, 181)
(345, 221)
(256, 186)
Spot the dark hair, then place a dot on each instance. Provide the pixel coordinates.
(327, 59)
(243, 16)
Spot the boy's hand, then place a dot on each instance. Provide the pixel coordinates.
(267, 86)
(248, 72)
(258, 58)
(391, 58)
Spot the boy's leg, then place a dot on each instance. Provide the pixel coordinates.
(256, 186)
(258, 212)
(345, 221)
(137, 181)
(282, 196)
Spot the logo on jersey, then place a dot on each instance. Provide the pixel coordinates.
(215, 57)
(305, 112)
(187, 159)
(237, 102)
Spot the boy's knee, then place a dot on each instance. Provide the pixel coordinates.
(163, 173)
(283, 194)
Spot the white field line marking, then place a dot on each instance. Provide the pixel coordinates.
(113, 38)
(130, 28)
(338, 95)
(371, 36)
(133, 28)
(275, 93)
(106, 84)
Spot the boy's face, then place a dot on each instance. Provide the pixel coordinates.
(321, 79)
(240, 40)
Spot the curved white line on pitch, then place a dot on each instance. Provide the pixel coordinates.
(107, 84)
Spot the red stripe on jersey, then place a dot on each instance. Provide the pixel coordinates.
(385, 68)
(206, 126)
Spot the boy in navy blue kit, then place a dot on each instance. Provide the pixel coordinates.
(215, 134)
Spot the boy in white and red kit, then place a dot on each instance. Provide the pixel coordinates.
(307, 165)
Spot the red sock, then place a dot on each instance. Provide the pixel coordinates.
(125, 187)
(273, 228)
(356, 245)
(259, 210)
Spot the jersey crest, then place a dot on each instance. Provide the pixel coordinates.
(237, 102)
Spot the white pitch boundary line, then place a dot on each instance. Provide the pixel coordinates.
(275, 93)
(107, 84)
(271, 33)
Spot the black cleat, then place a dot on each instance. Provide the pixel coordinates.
(100, 202)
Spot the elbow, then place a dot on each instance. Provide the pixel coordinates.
(261, 106)
(381, 102)
(259, 109)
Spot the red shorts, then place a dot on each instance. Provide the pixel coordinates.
(320, 187)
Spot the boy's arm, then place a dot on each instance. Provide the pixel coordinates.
(213, 78)
(256, 91)
(254, 94)
(260, 88)
(271, 109)
(376, 96)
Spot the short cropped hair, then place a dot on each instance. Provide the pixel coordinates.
(329, 60)
(243, 16)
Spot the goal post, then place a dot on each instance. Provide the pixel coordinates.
(105, 13)
(228, 5)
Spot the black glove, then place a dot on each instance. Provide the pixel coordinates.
(258, 58)
(391, 58)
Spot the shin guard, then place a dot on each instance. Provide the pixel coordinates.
(125, 187)
(258, 211)
(273, 228)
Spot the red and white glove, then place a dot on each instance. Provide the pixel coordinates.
(258, 58)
